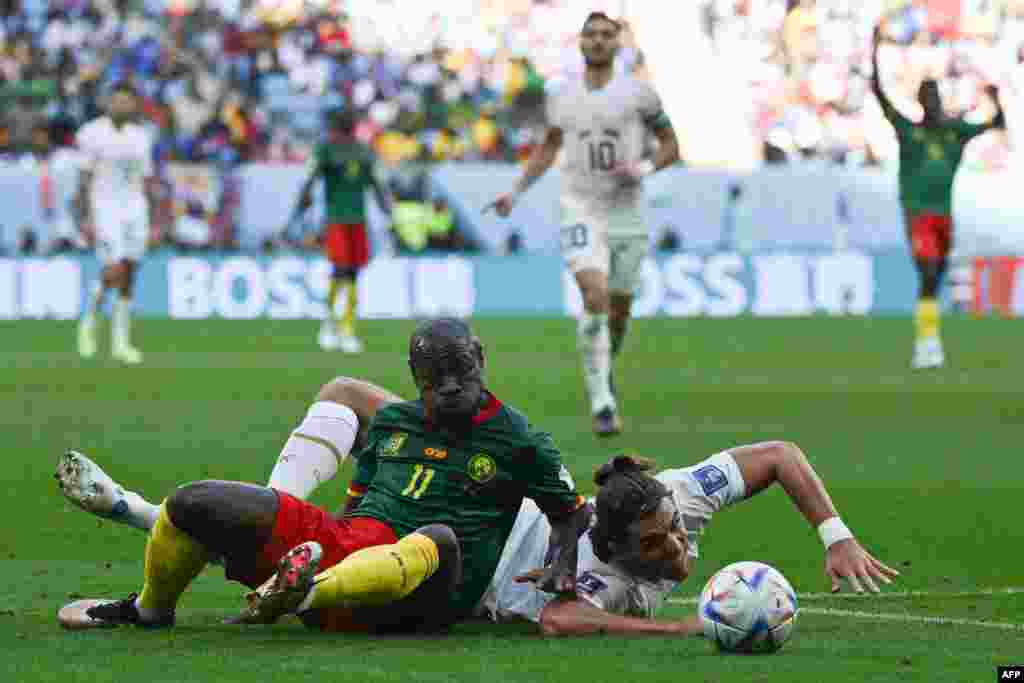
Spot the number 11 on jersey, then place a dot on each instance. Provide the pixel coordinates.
(421, 477)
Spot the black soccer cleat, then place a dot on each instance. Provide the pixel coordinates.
(119, 612)
(607, 423)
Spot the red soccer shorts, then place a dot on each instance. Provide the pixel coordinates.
(297, 522)
(931, 236)
(347, 245)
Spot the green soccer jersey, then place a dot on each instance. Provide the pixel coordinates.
(411, 475)
(347, 170)
(929, 158)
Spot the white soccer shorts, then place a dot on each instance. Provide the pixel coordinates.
(121, 232)
(614, 244)
(524, 551)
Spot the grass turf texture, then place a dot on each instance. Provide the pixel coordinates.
(925, 467)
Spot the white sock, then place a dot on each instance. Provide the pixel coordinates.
(91, 304)
(136, 511)
(140, 513)
(596, 350)
(121, 323)
(315, 450)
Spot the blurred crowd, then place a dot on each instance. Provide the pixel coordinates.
(230, 81)
(225, 82)
(807, 64)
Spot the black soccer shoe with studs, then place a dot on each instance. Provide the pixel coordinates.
(118, 612)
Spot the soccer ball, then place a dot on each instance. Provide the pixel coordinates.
(748, 607)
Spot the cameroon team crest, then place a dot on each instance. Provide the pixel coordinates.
(482, 468)
(394, 444)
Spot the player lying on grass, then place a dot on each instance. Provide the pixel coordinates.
(435, 496)
(644, 540)
(646, 531)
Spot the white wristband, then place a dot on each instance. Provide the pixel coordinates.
(832, 530)
(646, 167)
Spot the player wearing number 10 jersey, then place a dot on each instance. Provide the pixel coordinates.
(601, 123)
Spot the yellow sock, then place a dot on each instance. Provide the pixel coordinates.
(376, 576)
(347, 324)
(926, 318)
(332, 296)
(173, 559)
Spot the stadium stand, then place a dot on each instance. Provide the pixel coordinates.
(228, 83)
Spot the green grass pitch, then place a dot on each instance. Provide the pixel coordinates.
(926, 468)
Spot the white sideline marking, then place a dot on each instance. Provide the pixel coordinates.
(912, 618)
(891, 595)
(904, 618)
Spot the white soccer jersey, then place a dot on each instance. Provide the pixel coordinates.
(120, 159)
(602, 128)
(1012, 99)
(698, 491)
(64, 166)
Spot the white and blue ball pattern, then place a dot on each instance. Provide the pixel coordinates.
(748, 607)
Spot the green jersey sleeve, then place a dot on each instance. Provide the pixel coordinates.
(373, 167)
(900, 123)
(549, 483)
(366, 464)
(314, 164)
(969, 131)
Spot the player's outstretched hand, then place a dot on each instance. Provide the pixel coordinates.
(847, 560)
(545, 580)
(502, 205)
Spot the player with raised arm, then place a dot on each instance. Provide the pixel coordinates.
(930, 154)
(438, 488)
(114, 193)
(602, 123)
(348, 169)
(645, 535)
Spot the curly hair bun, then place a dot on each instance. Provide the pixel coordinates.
(621, 464)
